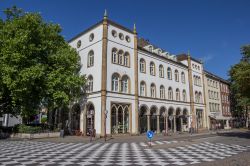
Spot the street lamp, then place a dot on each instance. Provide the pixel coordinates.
(105, 135)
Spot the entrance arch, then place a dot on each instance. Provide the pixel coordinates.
(199, 118)
(185, 119)
(143, 119)
(90, 119)
(171, 118)
(163, 115)
(178, 119)
(75, 117)
(153, 119)
(119, 118)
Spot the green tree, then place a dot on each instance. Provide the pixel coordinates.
(240, 82)
(37, 65)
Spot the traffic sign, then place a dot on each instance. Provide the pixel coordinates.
(150, 135)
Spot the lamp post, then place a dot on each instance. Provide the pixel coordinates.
(105, 135)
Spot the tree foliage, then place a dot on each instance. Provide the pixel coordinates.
(37, 65)
(240, 80)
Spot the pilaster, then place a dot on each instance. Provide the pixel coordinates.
(205, 100)
(191, 92)
(104, 73)
(136, 80)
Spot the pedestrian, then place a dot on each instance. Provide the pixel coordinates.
(191, 129)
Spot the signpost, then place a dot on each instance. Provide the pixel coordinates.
(150, 135)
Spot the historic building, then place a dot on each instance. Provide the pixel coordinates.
(214, 102)
(134, 86)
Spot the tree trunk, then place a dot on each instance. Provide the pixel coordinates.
(247, 118)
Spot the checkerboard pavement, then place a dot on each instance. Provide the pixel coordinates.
(47, 153)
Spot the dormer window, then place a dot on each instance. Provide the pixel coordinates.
(159, 52)
(150, 48)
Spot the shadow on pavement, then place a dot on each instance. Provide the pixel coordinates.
(236, 134)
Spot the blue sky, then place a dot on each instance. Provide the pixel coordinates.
(213, 30)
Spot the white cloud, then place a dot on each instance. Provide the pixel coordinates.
(207, 58)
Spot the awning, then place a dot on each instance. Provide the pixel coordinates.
(220, 117)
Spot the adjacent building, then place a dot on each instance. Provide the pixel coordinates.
(134, 86)
(225, 103)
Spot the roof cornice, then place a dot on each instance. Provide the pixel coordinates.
(162, 57)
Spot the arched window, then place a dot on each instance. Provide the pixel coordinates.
(143, 88)
(177, 92)
(184, 95)
(196, 97)
(115, 82)
(91, 58)
(169, 73)
(142, 66)
(125, 84)
(152, 68)
(161, 71)
(200, 97)
(209, 94)
(195, 81)
(176, 74)
(90, 84)
(183, 77)
(114, 55)
(162, 92)
(120, 57)
(170, 93)
(126, 59)
(153, 90)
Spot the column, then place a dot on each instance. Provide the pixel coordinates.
(148, 122)
(116, 121)
(166, 119)
(181, 124)
(174, 124)
(158, 123)
(123, 122)
(83, 121)
(227, 124)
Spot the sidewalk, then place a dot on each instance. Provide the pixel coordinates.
(140, 138)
